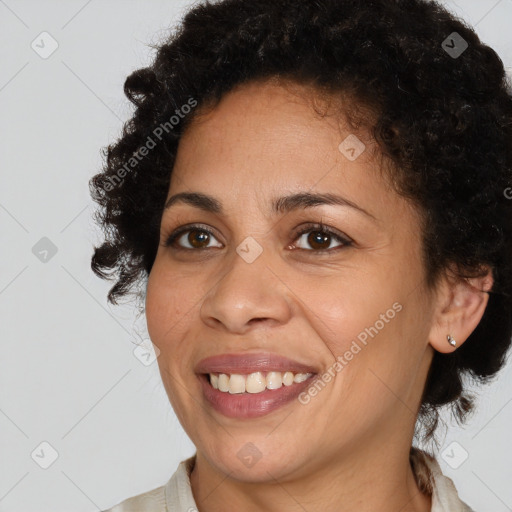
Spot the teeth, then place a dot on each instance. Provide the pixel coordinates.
(274, 380)
(223, 382)
(236, 383)
(255, 382)
(288, 378)
(300, 377)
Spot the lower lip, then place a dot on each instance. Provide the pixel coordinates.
(251, 405)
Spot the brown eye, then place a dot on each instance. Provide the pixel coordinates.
(197, 238)
(320, 238)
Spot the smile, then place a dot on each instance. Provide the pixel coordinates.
(255, 382)
(257, 398)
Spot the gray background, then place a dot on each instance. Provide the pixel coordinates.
(68, 372)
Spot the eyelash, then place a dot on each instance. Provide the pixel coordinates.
(320, 228)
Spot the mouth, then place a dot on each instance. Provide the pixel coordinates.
(256, 382)
(253, 394)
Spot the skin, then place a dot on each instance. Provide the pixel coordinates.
(347, 449)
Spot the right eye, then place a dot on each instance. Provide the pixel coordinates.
(197, 235)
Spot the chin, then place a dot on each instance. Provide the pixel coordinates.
(255, 461)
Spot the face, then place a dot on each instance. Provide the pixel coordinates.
(345, 300)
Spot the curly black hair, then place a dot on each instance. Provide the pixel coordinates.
(442, 114)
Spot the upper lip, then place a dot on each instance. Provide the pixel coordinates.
(249, 363)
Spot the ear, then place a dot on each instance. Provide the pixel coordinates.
(460, 305)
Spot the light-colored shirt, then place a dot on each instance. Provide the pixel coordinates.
(176, 494)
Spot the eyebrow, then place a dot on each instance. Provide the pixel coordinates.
(280, 205)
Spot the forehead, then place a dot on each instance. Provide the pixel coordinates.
(268, 125)
(263, 138)
(293, 112)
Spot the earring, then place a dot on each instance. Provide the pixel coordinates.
(451, 341)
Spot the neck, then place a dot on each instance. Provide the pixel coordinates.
(366, 478)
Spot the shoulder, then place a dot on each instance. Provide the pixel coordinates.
(176, 494)
(150, 501)
(431, 480)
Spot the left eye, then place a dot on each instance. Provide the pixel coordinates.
(319, 236)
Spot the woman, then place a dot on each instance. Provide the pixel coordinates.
(316, 193)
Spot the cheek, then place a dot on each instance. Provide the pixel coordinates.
(350, 308)
(165, 307)
(365, 330)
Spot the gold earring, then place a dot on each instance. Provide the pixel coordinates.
(451, 341)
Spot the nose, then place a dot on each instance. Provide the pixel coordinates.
(247, 294)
